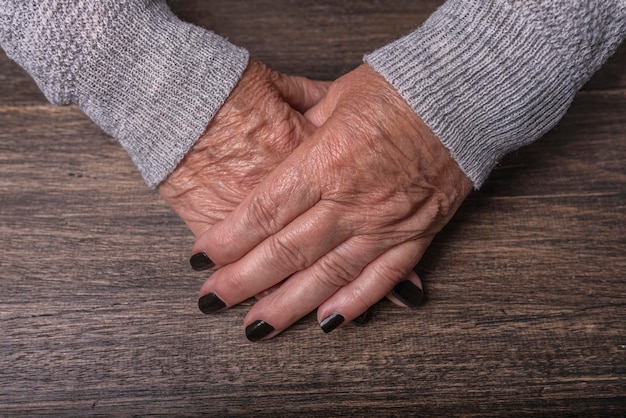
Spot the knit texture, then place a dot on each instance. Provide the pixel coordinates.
(146, 78)
(489, 76)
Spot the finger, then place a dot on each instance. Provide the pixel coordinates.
(301, 93)
(288, 191)
(321, 111)
(408, 293)
(307, 289)
(293, 249)
(211, 302)
(378, 279)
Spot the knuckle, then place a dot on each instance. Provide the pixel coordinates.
(435, 213)
(222, 247)
(236, 284)
(288, 255)
(390, 273)
(262, 214)
(362, 300)
(442, 205)
(231, 285)
(336, 273)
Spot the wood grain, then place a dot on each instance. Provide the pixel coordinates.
(526, 306)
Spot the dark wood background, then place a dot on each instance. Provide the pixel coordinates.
(526, 307)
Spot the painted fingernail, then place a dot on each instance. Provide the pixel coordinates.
(258, 330)
(331, 322)
(360, 320)
(407, 293)
(200, 262)
(210, 303)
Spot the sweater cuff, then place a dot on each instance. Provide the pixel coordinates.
(482, 78)
(155, 83)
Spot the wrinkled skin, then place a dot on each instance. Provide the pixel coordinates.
(346, 216)
(257, 127)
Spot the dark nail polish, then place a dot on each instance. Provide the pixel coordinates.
(200, 262)
(258, 330)
(331, 322)
(360, 320)
(210, 303)
(407, 293)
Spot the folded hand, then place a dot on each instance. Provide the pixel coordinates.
(345, 217)
(257, 127)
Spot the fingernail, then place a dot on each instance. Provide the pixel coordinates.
(360, 320)
(331, 322)
(407, 293)
(210, 303)
(200, 262)
(258, 330)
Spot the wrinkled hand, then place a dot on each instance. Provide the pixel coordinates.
(258, 126)
(346, 216)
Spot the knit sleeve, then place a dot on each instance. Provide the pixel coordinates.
(146, 78)
(489, 76)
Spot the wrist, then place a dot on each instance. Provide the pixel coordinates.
(154, 82)
(471, 72)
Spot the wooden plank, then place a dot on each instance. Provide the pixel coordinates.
(526, 297)
(525, 288)
(322, 40)
(16, 87)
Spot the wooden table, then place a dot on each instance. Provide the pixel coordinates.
(526, 306)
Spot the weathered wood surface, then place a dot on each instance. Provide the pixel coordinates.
(526, 309)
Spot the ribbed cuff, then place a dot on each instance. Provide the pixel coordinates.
(156, 84)
(482, 78)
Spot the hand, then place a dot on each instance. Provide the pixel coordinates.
(346, 216)
(257, 127)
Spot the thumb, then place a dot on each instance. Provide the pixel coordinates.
(323, 109)
(301, 93)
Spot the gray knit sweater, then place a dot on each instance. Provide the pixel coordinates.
(487, 76)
